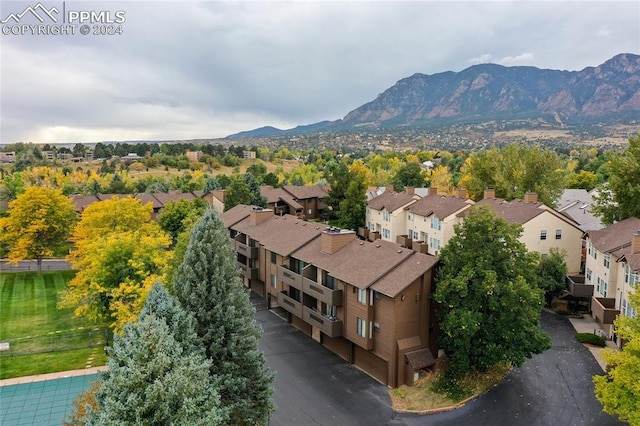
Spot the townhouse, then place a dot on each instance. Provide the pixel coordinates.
(303, 201)
(369, 302)
(612, 267)
(386, 214)
(431, 220)
(543, 228)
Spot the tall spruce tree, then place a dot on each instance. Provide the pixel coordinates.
(207, 284)
(158, 374)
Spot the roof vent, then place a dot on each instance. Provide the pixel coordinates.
(361, 243)
(304, 223)
(399, 251)
(378, 245)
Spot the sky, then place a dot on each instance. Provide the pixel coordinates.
(198, 70)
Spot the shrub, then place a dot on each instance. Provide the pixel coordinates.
(590, 339)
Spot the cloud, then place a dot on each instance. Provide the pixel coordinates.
(207, 69)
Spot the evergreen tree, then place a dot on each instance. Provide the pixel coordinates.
(207, 284)
(256, 196)
(158, 373)
(352, 211)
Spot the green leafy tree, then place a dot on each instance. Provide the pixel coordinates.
(39, 222)
(238, 192)
(211, 184)
(513, 171)
(254, 186)
(12, 187)
(618, 389)
(175, 212)
(489, 301)
(551, 272)
(352, 211)
(408, 174)
(207, 284)
(158, 374)
(620, 197)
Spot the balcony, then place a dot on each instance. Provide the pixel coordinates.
(404, 241)
(289, 304)
(330, 327)
(322, 293)
(248, 272)
(248, 251)
(374, 235)
(577, 287)
(289, 277)
(363, 232)
(603, 309)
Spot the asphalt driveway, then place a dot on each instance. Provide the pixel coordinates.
(316, 387)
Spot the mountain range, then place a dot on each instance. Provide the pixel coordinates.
(607, 93)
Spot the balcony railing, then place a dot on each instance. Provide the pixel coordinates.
(248, 251)
(374, 235)
(289, 277)
(289, 304)
(603, 309)
(248, 272)
(322, 293)
(330, 327)
(363, 232)
(577, 287)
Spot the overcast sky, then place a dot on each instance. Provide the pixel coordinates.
(188, 70)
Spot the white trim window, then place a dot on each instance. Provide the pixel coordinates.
(589, 275)
(361, 327)
(607, 260)
(386, 216)
(362, 296)
(543, 234)
(435, 222)
(558, 234)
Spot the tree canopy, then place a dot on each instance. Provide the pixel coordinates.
(489, 301)
(39, 221)
(158, 374)
(207, 284)
(619, 389)
(119, 253)
(619, 198)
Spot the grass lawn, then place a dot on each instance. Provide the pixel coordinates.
(43, 339)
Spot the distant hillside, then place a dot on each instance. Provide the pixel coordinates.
(607, 93)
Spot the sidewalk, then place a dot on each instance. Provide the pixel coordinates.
(586, 324)
(50, 376)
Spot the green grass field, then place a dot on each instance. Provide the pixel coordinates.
(42, 338)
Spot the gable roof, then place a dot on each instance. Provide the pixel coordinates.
(273, 195)
(281, 234)
(404, 274)
(149, 198)
(165, 197)
(235, 215)
(516, 211)
(81, 202)
(391, 201)
(633, 260)
(616, 238)
(305, 192)
(439, 205)
(576, 203)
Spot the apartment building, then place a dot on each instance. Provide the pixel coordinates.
(303, 201)
(366, 301)
(386, 214)
(431, 220)
(612, 266)
(543, 228)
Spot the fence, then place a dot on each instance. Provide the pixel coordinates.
(55, 342)
(32, 265)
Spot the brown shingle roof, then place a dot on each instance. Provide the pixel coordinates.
(165, 197)
(149, 198)
(305, 192)
(404, 274)
(421, 358)
(516, 211)
(281, 234)
(390, 200)
(616, 238)
(82, 201)
(633, 260)
(235, 215)
(273, 195)
(439, 205)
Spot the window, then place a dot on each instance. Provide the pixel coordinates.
(435, 243)
(368, 210)
(386, 216)
(589, 275)
(329, 281)
(558, 234)
(386, 233)
(362, 296)
(591, 250)
(361, 327)
(274, 257)
(543, 234)
(410, 216)
(631, 277)
(602, 287)
(435, 222)
(424, 237)
(274, 281)
(607, 260)
(329, 311)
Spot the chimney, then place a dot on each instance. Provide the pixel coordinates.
(489, 194)
(432, 190)
(388, 188)
(635, 243)
(530, 197)
(259, 215)
(333, 239)
(410, 190)
(461, 193)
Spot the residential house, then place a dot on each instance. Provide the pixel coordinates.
(576, 203)
(303, 201)
(386, 214)
(369, 302)
(543, 228)
(431, 220)
(612, 267)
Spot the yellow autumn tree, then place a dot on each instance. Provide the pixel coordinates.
(441, 179)
(39, 221)
(119, 253)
